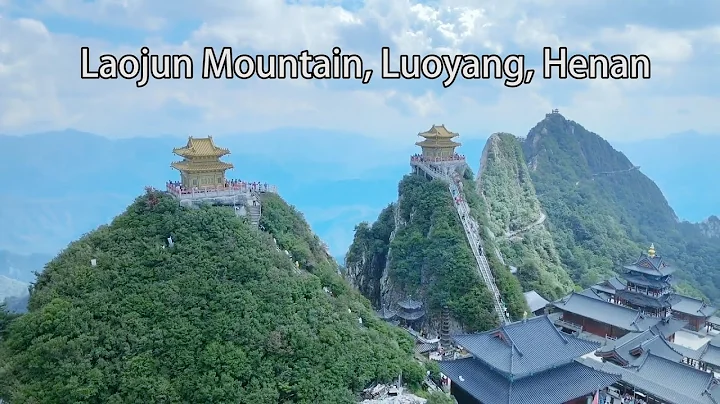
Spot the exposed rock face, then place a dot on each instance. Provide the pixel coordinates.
(710, 227)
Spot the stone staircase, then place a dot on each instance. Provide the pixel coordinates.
(253, 213)
(471, 228)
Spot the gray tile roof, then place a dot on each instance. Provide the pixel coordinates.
(553, 386)
(669, 381)
(654, 266)
(644, 300)
(596, 293)
(710, 354)
(690, 305)
(535, 301)
(647, 281)
(632, 348)
(669, 326)
(520, 349)
(715, 320)
(605, 312)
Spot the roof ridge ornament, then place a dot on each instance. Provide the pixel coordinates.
(651, 250)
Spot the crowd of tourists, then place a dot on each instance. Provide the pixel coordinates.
(177, 187)
(454, 157)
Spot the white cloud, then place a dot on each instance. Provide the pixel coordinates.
(41, 89)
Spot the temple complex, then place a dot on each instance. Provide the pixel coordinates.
(438, 143)
(201, 166)
(525, 362)
(647, 285)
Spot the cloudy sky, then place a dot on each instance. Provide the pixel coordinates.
(41, 89)
(40, 43)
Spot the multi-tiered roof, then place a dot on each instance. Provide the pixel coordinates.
(199, 155)
(525, 362)
(438, 142)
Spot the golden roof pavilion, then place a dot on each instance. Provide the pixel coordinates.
(201, 166)
(438, 142)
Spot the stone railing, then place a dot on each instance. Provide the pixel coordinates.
(220, 190)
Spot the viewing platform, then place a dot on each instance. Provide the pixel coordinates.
(455, 159)
(229, 190)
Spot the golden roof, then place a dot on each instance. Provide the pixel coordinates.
(437, 143)
(191, 166)
(438, 131)
(200, 147)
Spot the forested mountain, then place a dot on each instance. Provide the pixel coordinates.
(221, 316)
(417, 248)
(516, 220)
(602, 210)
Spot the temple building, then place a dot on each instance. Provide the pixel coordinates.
(201, 166)
(647, 285)
(633, 348)
(438, 143)
(526, 362)
(411, 313)
(697, 313)
(579, 312)
(658, 380)
(535, 302)
(709, 355)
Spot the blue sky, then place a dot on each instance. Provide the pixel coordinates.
(41, 90)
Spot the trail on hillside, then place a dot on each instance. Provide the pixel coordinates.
(538, 222)
(633, 168)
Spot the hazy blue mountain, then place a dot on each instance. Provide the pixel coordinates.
(685, 166)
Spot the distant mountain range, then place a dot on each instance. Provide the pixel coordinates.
(64, 184)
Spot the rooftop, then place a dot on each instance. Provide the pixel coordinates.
(194, 166)
(410, 304)
(631, 349)
(605, 312)
(650, 264)
(201, 147)
(667, 380)
(525, 347)
(643, 300)
(535, 301)
(438, 131)
(556, 385)
(692, 306)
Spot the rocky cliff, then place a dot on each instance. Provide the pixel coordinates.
(417, 248)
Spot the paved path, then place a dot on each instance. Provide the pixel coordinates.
(538, 222)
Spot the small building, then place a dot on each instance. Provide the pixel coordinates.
(658, 380)
(438, 143)
(631, 349)
(647, 285)
(201, 166)
(608, 288)
(525, 362)
(709, 355)
(535, 302)
(411, 313)
(695, 311)
(599, 317)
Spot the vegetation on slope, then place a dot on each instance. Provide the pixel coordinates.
(603, 212)
(430, 256)
(507, 283)
(220, 317)
(513, 206)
